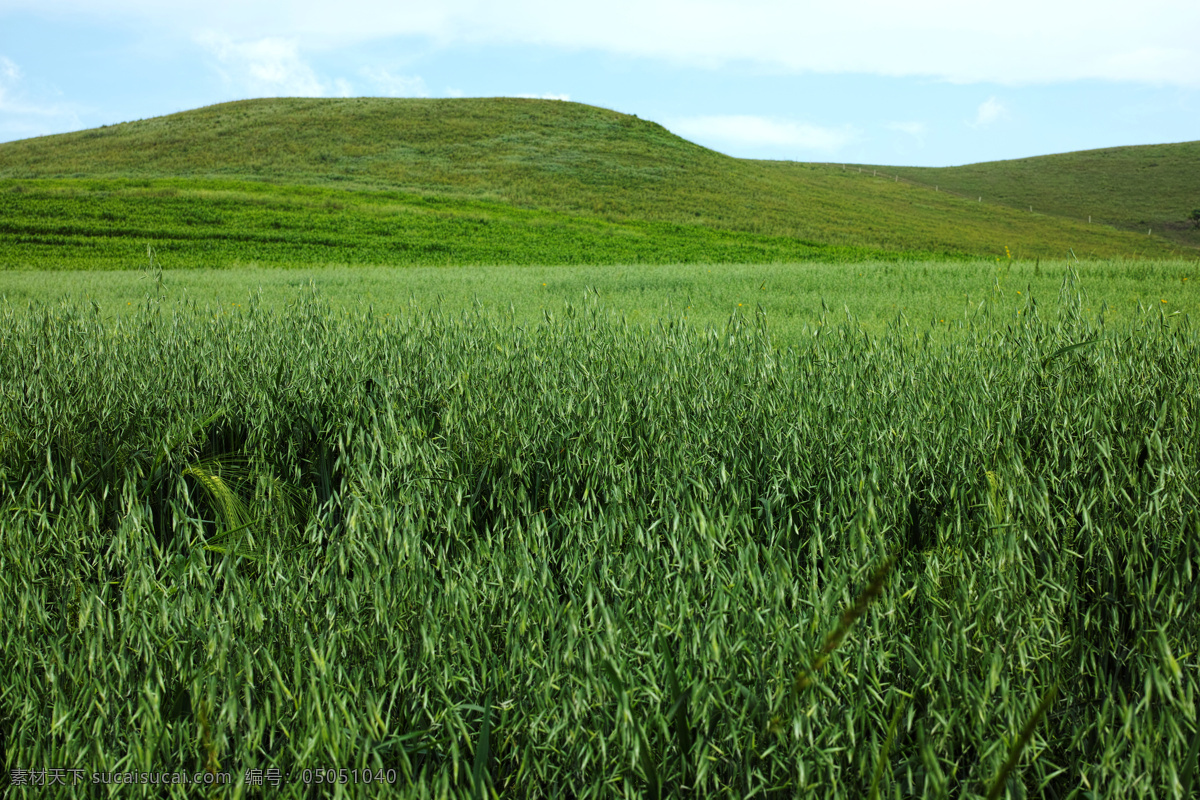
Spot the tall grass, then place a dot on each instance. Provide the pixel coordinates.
(589, 559)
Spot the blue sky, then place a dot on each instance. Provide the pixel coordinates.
(919, 82)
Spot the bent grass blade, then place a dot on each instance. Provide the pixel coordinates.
(1018, 746)
(851, 615)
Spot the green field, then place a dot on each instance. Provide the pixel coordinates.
(518, 448)
(580, 558)
(1151, 188)
(795, 297)
(192, 224)
(467, 182)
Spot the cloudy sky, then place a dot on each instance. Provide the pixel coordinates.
(919, 82)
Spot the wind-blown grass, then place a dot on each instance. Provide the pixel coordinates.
(628, 542)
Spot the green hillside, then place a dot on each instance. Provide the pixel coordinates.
(369, 180)
(1140, 189)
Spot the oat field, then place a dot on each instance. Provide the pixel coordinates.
(437, 554)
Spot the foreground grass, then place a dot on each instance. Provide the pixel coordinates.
(795, 296)
(583, 559)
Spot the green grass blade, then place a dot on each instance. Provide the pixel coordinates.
(1189, 764)
(678, 713)
(645, 757)
(482, 748)
(1068, 349)
(1018, 746)
(167, 447)
(887, 749)
(611, 669)
(649, 770)
(868, 595)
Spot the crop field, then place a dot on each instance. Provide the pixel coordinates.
(519, 448)
(794, 296)
(459, 553)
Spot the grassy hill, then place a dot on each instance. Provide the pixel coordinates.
(373, 180)
(1145, 188)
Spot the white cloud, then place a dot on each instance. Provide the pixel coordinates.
(1004, 41)
(22, 116)
(989, 111)
(915, 129)
(10, 76)
(390, 85)
(745, 131)
(8, 71)
(268, 67)
(1154, 61)
(455, 93)
(563, 97)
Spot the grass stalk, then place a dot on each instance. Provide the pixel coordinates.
(1014, 752)
(848, 618)
(885, 752)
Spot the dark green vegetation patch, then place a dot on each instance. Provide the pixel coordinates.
(582, 559)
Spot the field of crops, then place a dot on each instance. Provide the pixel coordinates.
(582, 558)
(874, 293)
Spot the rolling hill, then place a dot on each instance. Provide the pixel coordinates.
(373, 180)
(1140, 189)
